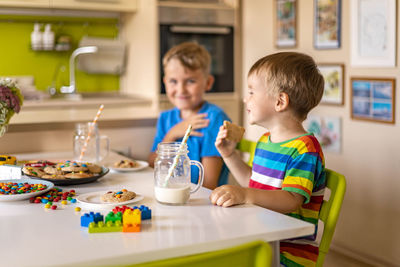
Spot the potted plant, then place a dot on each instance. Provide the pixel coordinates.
(11, 101)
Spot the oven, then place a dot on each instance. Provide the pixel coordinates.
(212, 28)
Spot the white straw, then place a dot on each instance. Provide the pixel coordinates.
(90, 132)
(181, 147)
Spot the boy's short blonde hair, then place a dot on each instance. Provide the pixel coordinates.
(295, 74)
(191, 55)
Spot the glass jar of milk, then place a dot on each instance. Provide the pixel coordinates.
(172, 183)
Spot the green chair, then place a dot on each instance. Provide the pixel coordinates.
(256, 253)
(247, 146)
(329, 210)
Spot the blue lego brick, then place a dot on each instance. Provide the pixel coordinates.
(146, 212)
(87, 218)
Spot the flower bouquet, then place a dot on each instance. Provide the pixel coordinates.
(10, 102)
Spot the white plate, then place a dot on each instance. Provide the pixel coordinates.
(141, 165)
(50, 185)
(93, 200)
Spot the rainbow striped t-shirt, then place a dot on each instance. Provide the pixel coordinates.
(296, 165)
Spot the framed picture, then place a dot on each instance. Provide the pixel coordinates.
(334, 85)
(327, 24)
(327, 130)
(373, 99)
(286, 28)
(373, 31)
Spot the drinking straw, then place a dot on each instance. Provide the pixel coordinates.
(90, 132)
(175, 163)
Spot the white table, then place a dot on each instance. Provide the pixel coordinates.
(33, 236)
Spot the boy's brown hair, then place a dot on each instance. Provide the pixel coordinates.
(295, 74)
(191, 55)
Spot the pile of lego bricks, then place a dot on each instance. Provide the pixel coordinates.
(120, 219)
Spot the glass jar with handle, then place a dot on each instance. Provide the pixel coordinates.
(172, 184)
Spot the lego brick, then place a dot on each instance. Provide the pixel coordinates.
(121, 209)
(87, 218)
(130, 228)
(113, 217)
(145, 212)
(132, 217)
(108, 227)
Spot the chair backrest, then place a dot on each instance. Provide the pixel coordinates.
(330, 210)
(249, 147)
(256, 253)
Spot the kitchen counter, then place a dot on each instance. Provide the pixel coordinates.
(61, 111)
(49, 125)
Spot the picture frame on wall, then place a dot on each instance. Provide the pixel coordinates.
(327, 24)
(373, 31)
(373, 99)
(286, 25)
(334, 83)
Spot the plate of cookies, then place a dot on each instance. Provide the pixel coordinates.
(65, 172)
(108, 199)
(126, 165)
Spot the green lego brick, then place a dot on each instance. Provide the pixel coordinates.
(102, 227)
(113, 217)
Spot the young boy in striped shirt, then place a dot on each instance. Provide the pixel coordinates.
(287, 173)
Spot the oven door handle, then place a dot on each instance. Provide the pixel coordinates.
(200, 29)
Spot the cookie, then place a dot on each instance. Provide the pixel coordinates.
(71, 166)
(33, 171)
(118, 196)
(53, 176)
(53, 170)
(77, 175)
(125, 164)
(93, 168)
(235, 132)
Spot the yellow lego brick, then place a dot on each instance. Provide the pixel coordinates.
(132, 217)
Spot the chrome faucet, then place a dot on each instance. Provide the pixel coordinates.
(71, 89)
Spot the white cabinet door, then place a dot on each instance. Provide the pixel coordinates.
(25, 3)
(101, 5)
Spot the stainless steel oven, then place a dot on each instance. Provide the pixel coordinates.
(212, 28)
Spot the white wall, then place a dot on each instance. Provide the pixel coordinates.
(370, 217)
(140, 30)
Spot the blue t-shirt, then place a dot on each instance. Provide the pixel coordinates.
(198, 147)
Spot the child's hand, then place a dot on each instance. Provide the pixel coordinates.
(225, 147)
(228, 195)
(198, 121)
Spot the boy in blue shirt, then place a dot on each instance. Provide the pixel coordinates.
(187, 77)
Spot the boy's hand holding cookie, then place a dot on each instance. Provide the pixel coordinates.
(198, 121)
(235, 132)
(228, 195)
(228, 136)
